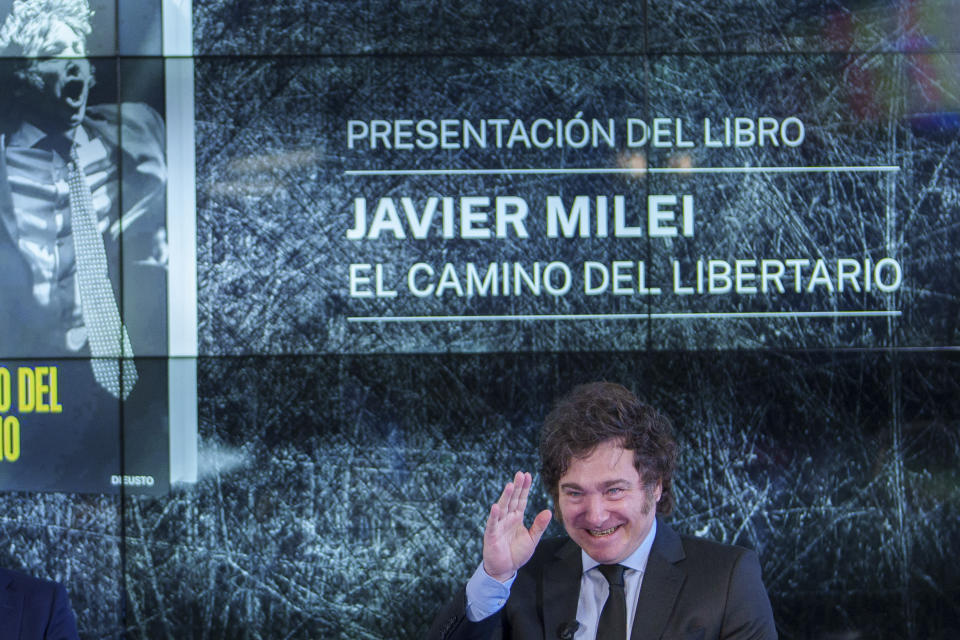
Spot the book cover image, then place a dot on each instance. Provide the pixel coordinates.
(85, 252)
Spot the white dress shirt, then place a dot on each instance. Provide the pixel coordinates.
(42, 225)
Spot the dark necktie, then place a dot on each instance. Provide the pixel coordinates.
(612, 624)
(109, 343)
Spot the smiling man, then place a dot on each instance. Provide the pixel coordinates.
(622, 574)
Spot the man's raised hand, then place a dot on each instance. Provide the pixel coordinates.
(507, 544)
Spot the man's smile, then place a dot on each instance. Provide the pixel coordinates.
(601, 533)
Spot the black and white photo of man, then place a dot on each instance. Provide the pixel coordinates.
(81, 203)
(83, 255)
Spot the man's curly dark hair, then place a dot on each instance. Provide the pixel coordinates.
(601, 411)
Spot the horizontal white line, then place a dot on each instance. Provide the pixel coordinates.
(619, 170)
(630, 316)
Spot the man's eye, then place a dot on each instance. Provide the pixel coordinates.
(615, 491)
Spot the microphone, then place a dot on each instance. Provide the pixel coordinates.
(566, 630)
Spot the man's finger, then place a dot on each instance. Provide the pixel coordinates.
(492, 520)
(518, 481)
(504, 499)
(540, 525)
(525, 491)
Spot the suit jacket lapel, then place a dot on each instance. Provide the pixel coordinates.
(561, 588)
(7, 215)
(11, 608)
(661, 585)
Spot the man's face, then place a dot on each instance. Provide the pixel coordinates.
(603, 503)
(60, 80)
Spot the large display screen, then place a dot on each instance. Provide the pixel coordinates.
(358, 249)
(520, 203)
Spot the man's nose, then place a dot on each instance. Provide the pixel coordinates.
(596, 510)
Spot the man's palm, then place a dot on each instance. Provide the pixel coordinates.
(507, 544)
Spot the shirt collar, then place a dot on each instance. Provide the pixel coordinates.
(636, 560)
(26, 136)
(29, 135)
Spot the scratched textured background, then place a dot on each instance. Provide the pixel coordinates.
(346, 472)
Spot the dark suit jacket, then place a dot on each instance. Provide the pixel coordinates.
(34, 609)
(692, 589)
